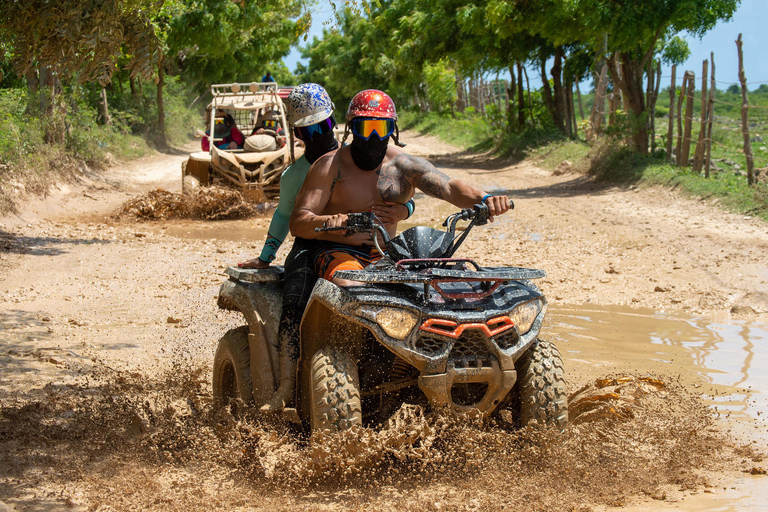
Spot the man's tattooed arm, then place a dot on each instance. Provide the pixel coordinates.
(423, 175)
(393, 185)
(429, 180)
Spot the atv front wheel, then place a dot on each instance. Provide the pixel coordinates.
(232, 369)
(541, 387)
(189, 184)
(335, 388)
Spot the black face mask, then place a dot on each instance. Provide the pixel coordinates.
(368, 154)
(319, 146)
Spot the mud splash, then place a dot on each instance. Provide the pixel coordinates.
(123, 441)
(208, 203)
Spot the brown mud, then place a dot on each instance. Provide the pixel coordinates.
(108, 326)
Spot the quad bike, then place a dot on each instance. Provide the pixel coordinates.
(422, 327)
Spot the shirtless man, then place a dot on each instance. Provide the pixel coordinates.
(363, 175)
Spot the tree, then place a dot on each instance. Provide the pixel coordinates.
(441, 85)
(633, 30)
(221, 41)
(81, 38)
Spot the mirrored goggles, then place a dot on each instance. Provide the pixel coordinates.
(306, 133)
(364, 128)
(269, 124)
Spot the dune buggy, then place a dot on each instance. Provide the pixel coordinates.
(255, 166)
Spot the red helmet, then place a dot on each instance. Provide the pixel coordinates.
(371, 103)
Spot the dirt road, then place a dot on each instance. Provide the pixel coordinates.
(108, 328)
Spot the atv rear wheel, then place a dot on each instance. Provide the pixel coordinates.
(232, 369)
(335, 388)
(541, 387)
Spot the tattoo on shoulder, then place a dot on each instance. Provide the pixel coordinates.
(425, 176)
(393, 185)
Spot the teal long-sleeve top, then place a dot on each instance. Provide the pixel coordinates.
(290, 184)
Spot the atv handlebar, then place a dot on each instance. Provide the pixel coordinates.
(367, 222)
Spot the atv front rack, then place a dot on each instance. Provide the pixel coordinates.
(490, 277)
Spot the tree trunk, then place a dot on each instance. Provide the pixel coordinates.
(49, 89)
(630, 81)
(570, 108)
(160, 107)
(745, 116)
(530, 101)
(461, 101)
(133, 86)
(520, 99)
(546, 89)
(670, 130)
(511, 102)
(578, 96)
(32, 82)
(652, 94)
(560, 113)
(596, 118)
(104, 107)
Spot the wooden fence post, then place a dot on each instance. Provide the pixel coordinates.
(679, 113)
(670, 130)
(745, 117)
(698, 159)
(710, 116)
(685, 154)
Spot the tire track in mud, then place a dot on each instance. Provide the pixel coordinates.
(108, 334)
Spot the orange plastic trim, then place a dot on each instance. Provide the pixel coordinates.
(434, 325)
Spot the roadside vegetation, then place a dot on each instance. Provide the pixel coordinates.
(611, 160)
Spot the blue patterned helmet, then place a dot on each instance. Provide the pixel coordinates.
(308, 104)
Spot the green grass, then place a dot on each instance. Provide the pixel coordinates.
(552, 154)
(468, 131)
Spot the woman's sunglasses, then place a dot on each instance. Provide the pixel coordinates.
(307, 133)
(364, 128)
(270, 124)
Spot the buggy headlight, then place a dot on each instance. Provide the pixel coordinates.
(397, 323)
(524, 315)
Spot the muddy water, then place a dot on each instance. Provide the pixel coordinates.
(727, 361)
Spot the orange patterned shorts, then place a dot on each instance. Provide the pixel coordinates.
(331, 257)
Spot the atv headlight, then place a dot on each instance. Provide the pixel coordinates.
(524, 315)
(397, 323)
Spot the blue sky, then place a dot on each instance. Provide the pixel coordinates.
(751, 19)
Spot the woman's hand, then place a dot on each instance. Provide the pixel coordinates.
(390, 213)
(254, 263)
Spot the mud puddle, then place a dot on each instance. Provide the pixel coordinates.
(252, 230)
(725, 361)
